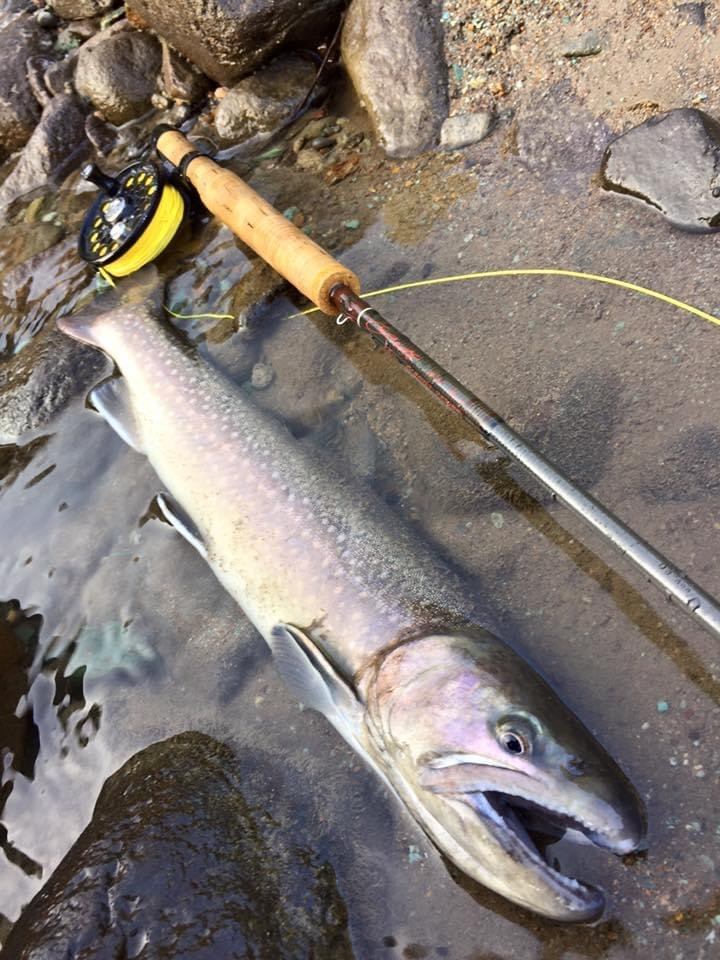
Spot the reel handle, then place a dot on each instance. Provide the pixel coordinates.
(258, 224)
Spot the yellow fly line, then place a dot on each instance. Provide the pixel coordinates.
(541, 272)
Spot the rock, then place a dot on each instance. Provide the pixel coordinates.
(19, 633)
(119, 74)
(259, 103)
(693, 13)
(42, 379)
(464, 129)
(59, 76)
(262, 376)
(19, 111)
(183, 858)
(393, 52)
(80, 9)
(181, 80)
(672, 163)
(46, 18)
(56, 146)
(587, 45)
(229, 38)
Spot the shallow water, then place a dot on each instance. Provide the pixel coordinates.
(617, 390)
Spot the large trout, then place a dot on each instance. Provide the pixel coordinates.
(366, 624)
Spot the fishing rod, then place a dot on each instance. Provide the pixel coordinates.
(143, 229)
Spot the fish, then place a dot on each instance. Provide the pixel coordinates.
(366, 622)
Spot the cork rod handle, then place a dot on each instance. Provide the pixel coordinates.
(258, 224)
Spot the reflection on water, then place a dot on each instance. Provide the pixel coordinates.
(114, 635)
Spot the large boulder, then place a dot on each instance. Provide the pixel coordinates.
(393, 51)
(227, 39)
(180, 860)
(119, 74)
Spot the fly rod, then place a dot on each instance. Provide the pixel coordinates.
(336, 291)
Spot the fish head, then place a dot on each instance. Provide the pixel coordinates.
(484, 753)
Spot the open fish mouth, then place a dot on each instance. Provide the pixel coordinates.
(524, 829)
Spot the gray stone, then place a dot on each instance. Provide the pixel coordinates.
(672, 163)
(587, 45)
(19, 111)
(59, 76)
(263, 375)
(57, 145)
(79, 9)
(182, 856)
(393, 52)
(259, 103)
(693, 13)
(464, 129)
(118, 75)
(42, 379)
(181, 80)
(227, 39)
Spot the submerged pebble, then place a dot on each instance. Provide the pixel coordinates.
(672, 163)
(262, 376)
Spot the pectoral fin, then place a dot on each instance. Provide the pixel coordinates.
(316, 682)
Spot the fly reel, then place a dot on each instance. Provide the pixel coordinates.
(133, 219)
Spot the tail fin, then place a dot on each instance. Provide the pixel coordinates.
(143, 292)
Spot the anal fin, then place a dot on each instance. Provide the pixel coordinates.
(181, 521)
(111, 399)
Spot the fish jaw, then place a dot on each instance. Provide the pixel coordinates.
(449, 714)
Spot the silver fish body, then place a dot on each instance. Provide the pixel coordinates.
(366, 624)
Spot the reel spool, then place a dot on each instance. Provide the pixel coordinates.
(132, 221)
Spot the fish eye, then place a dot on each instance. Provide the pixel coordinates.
(513, 742)
(515, 735)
